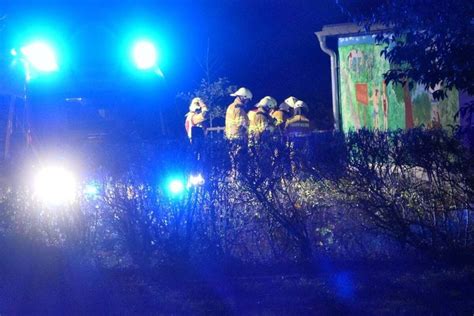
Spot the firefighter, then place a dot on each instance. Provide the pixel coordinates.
(195, 124)
(262, 122)
(236, 125)
(298, 125)
(272, 108)
(196, 119)
(298, 130)
(282, 114)
(236, 120)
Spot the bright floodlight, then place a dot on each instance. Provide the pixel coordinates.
(41, 56)
(55, 186)
(144, 54)
(176, 187)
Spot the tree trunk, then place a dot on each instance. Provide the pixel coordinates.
(408, 106)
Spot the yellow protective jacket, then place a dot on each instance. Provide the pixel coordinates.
(261, 122)
(280, 117)
(251, 115)
(236, 121)
(298, 126)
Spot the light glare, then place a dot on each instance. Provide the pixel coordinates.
(41, 56)
(91, 190)
(176, 186)
(55, 186)
(144, 55)
(195, 180)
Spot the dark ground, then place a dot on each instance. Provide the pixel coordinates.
(61, 287)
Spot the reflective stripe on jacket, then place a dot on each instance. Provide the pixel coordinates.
(298, 126)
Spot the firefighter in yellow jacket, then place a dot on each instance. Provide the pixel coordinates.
(236, 125)
(195, 119)
(236, 120)
(282, 114)
(298, 125)
(195, 125)
(262, 122)
(298, 130)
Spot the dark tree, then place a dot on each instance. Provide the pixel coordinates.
(430, 41)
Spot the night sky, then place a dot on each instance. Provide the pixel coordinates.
(268, 46)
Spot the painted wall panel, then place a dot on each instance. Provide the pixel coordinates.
(366, 101)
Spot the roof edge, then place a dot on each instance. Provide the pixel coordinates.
(349, 29)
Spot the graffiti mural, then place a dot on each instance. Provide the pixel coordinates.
(367, 101)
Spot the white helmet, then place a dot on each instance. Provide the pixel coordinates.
(196, 100)
(291, 101)
(268, 102)
(300, 104)
(243, 93)
(195, 104)
(272, 103)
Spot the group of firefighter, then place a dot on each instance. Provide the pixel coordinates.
(266, 117)
(244, 127)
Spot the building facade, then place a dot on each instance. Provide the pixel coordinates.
(362, 98)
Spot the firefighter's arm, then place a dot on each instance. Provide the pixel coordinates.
(278, 117)
(245, 120)
(201, 117)
(203, 106)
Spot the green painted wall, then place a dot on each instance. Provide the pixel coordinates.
(365, 100)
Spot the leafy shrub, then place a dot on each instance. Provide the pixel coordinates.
(346, 196)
